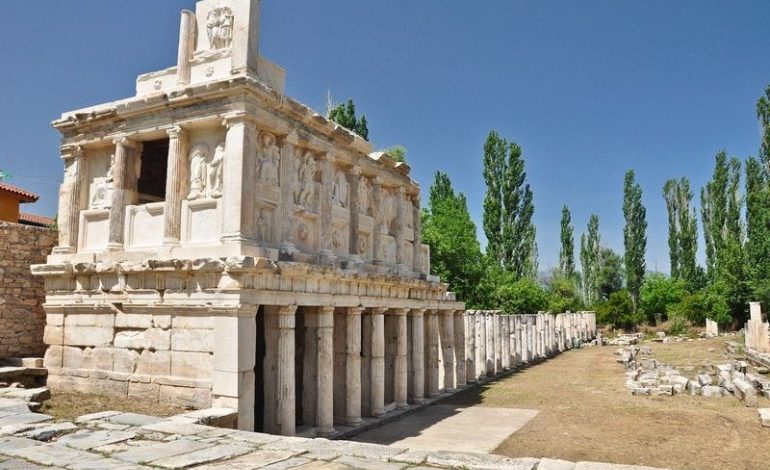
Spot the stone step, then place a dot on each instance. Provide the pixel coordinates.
(27, 395)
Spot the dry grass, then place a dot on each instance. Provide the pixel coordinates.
(586, 413)
(70, 405)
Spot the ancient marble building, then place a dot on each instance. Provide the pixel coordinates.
(224, 245)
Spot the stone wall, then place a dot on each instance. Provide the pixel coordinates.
(496, 342)
(22, 318)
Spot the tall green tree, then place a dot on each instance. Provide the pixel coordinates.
(610, 278)
(721, 206)
(567, 253)
(508, 209)
(344, 114)
(682, 230)
(634, 235)
(758, 209)
(455, 251)
(589, 260)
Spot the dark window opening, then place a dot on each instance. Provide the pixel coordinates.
(152, 176)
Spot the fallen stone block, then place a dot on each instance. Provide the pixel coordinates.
(764, 417)
(710, 391)
(40, 394)
(47, 432)
(704, 380)
(745, 392)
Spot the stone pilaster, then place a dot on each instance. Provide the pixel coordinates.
(235, 340)
(327, 176)
(489, 323)
(417, 266)
(186, 47)
(237, 185)
(325, 370)
(176, 183)
(70, 200)
(355, 211)
(377, 202)
(447, 348)
(417, 316)
(400, 238)
(481, 344)
(400, 384)
(288, 180)
(125, 179)
(431, 354)
(353, 367)
(460, 352)
(377, 364)
(285, 380)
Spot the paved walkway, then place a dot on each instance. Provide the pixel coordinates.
(442, 427)
(129, 441)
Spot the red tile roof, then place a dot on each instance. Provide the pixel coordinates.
(32, 219)
(26, 196)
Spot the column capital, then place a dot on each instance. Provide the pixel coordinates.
(286, 309)
(127, 141)
(355, 310)
(416, 312)
(378, 310)
(71, 151)
(398, 311)
(235, 119)
(176, 132)
(459, 312)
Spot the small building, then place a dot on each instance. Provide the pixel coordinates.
(11, 197)
(223, 244)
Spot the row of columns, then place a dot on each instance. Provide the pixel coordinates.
(356, 362)
(496, 342)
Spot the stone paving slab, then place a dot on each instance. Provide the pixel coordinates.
(147, 442)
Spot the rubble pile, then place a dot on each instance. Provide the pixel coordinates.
(646, 376)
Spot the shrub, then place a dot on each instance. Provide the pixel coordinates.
(522, 296)
(618, 310)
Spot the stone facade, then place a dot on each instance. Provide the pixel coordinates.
(222, 244)
(496, 342)
(21, 311)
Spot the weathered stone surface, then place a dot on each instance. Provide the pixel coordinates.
(369, 464)
(609, 466)
(554, 464)
(476, 461)
(48, 432)
(133, 419)
(23, 418)
(92, 439)
(50, 454)
(12, 442)
(764, 417)
(209, 454)
(254, 460)
(156, 451)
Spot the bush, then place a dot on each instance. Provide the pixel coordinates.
(522, 296)
(563, 294)
(618, 311)
(677, 325)
(659, 294)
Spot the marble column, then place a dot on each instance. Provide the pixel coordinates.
(187, 29)
(377, 361)
(125, 178)
(234, 347)
(71, 199)
(288, 179)
(447, 348)
(353, 367)
(417, 266)
(417, 316)
(505, 344)
(431, 354)
(400, 384)
(285, 380)
(377, 210)
(325, 369)
(355, 211)
(481, 344)
(176, 184)
(489, 323)
(460, 351)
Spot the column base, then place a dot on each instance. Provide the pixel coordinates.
(63, 250)
(114, 246)
(326, 433)
(354, 424)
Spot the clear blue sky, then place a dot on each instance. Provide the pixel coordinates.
(588, 89)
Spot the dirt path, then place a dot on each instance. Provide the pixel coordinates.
(587, 414)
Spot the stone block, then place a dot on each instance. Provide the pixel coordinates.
(102, 359)
(153, 363)
(553, 464)
(54, 319)
(704, 379)
(144, 391)
(125, 360)
(183, 396)
(192, 322)
(105, 320)
(711, 391)
(195, 340)
(72, 357)
(194, 365)
(75, 335)
(53, 335)
(133, 320)
(764, 417)
(151, 338)
(745, 392)
(54, 356)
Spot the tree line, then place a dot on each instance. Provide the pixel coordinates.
(734, 220)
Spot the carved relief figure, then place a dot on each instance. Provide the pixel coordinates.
(336, 239)
(268, 159)
(219, 26)
(302, 232)
(262, 226)
(206, 171)
(198, 178)
(408, 209)
(340, 189)
(305, 166)
(102, 198)
(363, 244)
(215, 168)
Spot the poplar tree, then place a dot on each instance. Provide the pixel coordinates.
(567, 253)
(508, 209)
(590, 251)
(634, 236)
(758, 208)
(682, 230)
